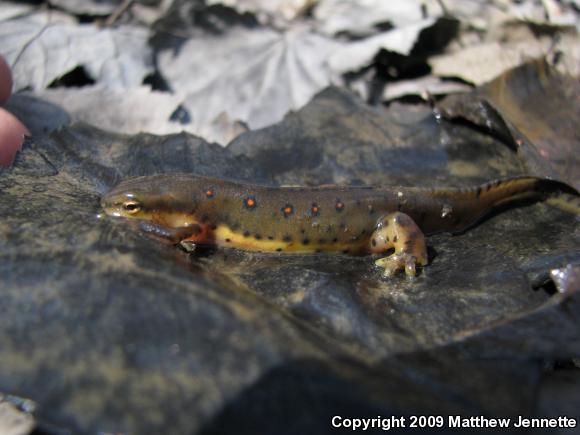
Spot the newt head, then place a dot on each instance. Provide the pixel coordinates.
(150, 199)
(126, 205)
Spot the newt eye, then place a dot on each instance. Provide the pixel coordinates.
(132, 206)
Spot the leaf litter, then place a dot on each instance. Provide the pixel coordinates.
(233, 65)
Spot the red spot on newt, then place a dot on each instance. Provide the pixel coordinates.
(287, 210)
(250, 202)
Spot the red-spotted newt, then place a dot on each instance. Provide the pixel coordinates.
(350, 220)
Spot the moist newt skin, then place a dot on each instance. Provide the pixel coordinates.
(350, 220)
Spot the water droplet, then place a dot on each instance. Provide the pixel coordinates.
(438, 116)
(28, 406)
(446, 211)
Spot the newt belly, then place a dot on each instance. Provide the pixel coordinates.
(351, 220)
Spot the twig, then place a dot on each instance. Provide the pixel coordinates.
(114, 17)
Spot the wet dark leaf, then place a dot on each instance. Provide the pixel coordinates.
(110, 331)
(534, 109)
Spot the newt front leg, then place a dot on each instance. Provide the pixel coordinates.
(397, 230)
(170, 235)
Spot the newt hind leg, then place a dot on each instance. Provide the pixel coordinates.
(397, 230)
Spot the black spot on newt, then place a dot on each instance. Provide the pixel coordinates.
(278, 249)
(305, 241)
(246, 234)
(258, 237)
(374, 242)
(287, 238)
(270, 237)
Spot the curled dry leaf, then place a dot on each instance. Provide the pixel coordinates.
(361, 17)
(120, 111)
(87, 7)
(9, 10)
(423, 87)
(13, 421)
(484, 14)
(249, 76)
(356, 55)
(544, 12)
(482, 63)
(284, 9)
(41, 51)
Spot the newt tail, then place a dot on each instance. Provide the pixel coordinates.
(351, 220)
